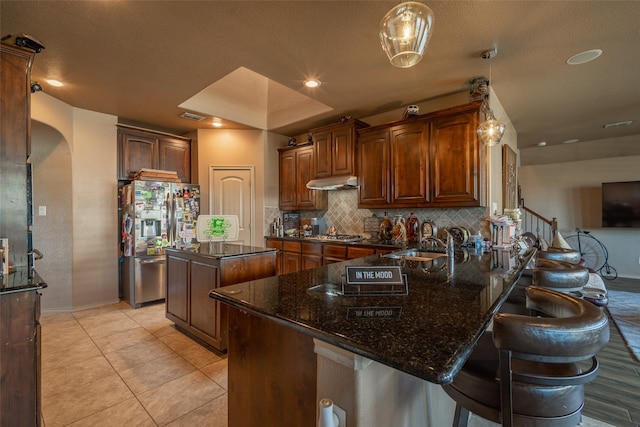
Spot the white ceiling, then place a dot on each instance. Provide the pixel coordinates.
(244, 61)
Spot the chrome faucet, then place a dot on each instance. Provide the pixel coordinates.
(434, 244)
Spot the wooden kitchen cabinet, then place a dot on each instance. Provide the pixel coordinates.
(276, 244)
(311, 255)
(333, 253)
(334, 148)
(374, 169)
(291, 257)
(296, 169)
(359, 252)
(458, 173)
(143, 149)
(409, 177)
(434, 160)
(15, 134)
(20, 359)
(190, 278)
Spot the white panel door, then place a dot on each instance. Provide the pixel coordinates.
(232, 194)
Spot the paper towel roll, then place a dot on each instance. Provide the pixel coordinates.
(327, 418)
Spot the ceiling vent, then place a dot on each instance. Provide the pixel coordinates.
(192, 116)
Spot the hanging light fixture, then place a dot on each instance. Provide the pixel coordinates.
(491, 130)
(405, 32)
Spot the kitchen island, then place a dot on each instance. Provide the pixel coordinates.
(192, 273)
(398, 347)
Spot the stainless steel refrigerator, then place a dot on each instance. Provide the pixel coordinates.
(154, 215)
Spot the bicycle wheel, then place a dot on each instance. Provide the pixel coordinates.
(591, 250)
(608, 272)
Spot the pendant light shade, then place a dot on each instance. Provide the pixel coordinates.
(491, 130)
(405, 32)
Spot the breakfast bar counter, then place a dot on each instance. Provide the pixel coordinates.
(425, 335)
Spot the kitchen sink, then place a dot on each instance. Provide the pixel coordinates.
(415, 254)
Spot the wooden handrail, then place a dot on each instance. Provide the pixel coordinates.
(553, 223)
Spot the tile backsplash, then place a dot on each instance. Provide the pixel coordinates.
(343, 213)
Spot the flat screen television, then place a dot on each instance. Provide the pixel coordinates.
(621, 204)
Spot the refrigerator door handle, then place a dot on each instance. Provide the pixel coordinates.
(152, 261)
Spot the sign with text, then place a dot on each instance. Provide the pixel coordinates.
(387, 275)
(374, 280)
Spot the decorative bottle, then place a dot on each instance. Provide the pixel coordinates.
(412, 228)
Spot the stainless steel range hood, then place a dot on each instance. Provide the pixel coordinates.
(333, 183)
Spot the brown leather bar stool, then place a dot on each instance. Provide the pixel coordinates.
(559, 275)
(527, 372)
(560, 254)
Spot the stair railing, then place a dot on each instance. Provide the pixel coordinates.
(536, 224)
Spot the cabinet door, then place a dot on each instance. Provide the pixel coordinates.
(342, 162)
(409, 160)
(456, 174)
(205, 311)
(277, 244)
(287, 180)
(137, 150)
(354, 252)
(14, 151)
(175, 155)
(322, 154)
(291, 262)
(178, 288)
(373, 169)
(305, 172)
(311, 261)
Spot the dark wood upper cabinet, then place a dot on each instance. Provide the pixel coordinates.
(15, 133)
(296, 169)
(373, 169)
(456, 158)
(141, 149)
(434, 160)
(409, 147)
(334, 148)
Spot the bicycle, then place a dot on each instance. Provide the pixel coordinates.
(593, 252)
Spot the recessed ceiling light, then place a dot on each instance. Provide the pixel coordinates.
(570, 141)
(584, 57)
(217, 122)
(618, 124)
(541, 143)
(54, 82)
(312, 83)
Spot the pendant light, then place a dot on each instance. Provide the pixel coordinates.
(491, 130)
(405, 32)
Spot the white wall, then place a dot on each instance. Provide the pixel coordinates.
(571, 192)
(91, 199)
(219, 147)
(53, 232)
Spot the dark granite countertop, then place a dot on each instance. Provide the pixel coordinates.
(21, 280)
(428, 333)
(219, 250)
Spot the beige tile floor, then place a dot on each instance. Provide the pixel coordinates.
(116, 366)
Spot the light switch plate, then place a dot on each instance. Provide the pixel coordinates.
(42, 210)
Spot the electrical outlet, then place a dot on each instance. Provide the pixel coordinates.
(342, 415)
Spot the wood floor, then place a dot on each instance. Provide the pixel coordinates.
(614, 396)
